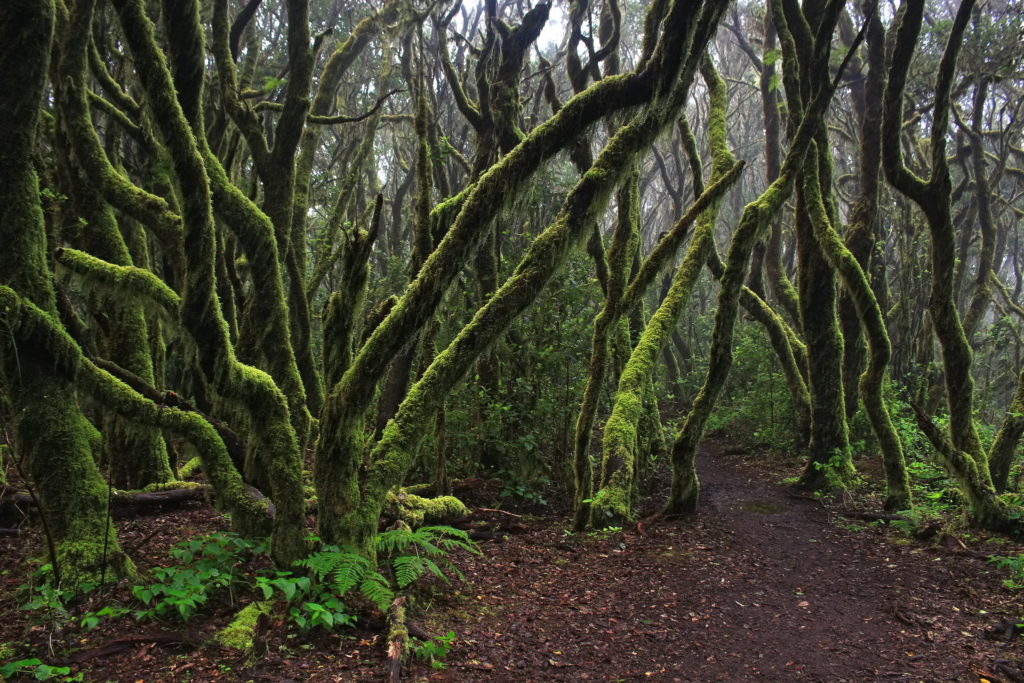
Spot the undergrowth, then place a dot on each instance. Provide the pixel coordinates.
(326, 590)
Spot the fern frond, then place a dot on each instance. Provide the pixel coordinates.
(450, 538)
(343, 569)
(408, 568)
(374, 588)
(394, 541)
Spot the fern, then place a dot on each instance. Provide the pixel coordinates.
(412, 552)
(375, 588)
(408, 568)
(427, 540)
(344, 570)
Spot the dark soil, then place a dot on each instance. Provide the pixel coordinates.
(760, 583)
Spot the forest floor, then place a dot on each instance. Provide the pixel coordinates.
(760, 583)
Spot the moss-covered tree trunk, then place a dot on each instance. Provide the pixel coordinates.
(870, 316)
(135, 455)
(613, 502)
(53, 437)
(624, 238)
(754, 223)
(961, 450)
(803, 74)
(248, 395)
(829, 459)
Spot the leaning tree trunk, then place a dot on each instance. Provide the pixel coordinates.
(754, 223)
(613, 502)
(671, 68)
(52, 436)
(960, 450)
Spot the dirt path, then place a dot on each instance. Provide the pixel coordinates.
(757, 585)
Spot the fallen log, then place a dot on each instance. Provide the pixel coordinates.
(398, 634)
(125, 499)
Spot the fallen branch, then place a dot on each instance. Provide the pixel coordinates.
(500, 511)
(9, 532)
(122, 644)
(123, 499)
(874, 516)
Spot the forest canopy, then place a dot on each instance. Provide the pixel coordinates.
(316, 252)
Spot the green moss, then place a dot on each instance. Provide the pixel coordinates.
(239, 633)
(172, 485)
(124, 283)
(416, 510)
(189, 468)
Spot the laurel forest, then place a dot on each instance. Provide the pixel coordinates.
(330, 271)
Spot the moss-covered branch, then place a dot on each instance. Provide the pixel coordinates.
(125, 282)
(495, 189)
(31, 327)
(392, 456)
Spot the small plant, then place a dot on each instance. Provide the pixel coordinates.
(206, 564)
(319, 599)
(37, 670)
(1015, 566)
(433, 651)
(524, 491)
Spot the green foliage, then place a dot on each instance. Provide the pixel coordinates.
(527, 420)
(1014, 566)
(433, 651)
(755, 403)
(527, 491)
(322, 598)
(430, 546)
(205, 565)
(318, 593)
(38, 670)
